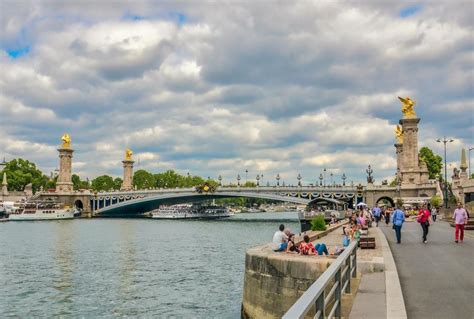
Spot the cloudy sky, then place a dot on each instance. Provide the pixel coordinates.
(220, 87)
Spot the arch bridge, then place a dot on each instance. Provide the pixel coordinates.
(139, 202)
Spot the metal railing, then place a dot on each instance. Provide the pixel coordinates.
(339, 273)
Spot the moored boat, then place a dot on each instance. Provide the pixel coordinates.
(190, 211)
(40, 211)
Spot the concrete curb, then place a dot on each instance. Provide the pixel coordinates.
(393, 291)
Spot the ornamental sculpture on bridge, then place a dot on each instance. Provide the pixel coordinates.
(66, 141)
(128, 154)
(399, 134)
(408, 107)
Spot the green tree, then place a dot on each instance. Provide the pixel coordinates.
(435, 201)
(21, 172)
(102, 183)
(250, 184)
(143, 179)
(433, 161)
(117, 183)
(77, 183)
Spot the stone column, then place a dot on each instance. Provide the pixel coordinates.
(64, 183)
(127, 175)
(399, 152)
(4, 185)
(410, 143)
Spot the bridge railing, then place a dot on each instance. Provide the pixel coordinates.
(339, 275)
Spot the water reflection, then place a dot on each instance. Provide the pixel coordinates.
(63, 262)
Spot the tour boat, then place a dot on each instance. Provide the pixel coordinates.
(190, 211)
(40, 211)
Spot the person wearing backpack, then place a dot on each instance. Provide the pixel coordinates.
(398, 218)
(424, 218)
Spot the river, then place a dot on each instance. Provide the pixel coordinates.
(129, 267)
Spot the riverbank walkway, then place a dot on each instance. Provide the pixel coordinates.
(437, 278)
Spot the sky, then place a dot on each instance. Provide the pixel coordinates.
(220, 87)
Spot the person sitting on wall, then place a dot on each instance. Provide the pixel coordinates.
(292, 248)
(280, 239)
(307, 248)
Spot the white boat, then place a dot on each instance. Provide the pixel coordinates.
(40, 211)
(190, 211)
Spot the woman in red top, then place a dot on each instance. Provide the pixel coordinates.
(424, 218)
(307, 248)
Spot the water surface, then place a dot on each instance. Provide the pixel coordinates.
(129, 267)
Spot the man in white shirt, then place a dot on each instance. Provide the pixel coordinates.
(280, 239)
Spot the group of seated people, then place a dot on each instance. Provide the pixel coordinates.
(284, 240)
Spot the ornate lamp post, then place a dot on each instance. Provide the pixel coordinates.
(331, 179)
(278, 179)
(445, 141)
(469, 159)
(246, 173)
(299, 179)
(324, 178)
(344, 179)
(258, 180)
(220, 180)
(321, 179)
(238, 180)
(369, 172)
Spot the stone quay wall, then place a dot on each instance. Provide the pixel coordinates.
(275, 280)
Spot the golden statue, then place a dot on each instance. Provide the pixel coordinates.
(407, 108)
(128, 154)
(66, 141)
(399, 134)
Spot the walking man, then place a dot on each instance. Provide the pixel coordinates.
(376, 211)
(460, 219)
(398, 218)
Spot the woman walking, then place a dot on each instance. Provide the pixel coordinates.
(424, 218)
(460, 219)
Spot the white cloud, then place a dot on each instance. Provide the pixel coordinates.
(296, 89)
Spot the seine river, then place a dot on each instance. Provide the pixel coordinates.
(129, 267)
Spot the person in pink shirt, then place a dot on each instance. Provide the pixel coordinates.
(460, 219)
(424, 218)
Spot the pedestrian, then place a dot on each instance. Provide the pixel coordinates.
(460, 219)
(398, 218)
(376, 211)
(434, 213)
(387, 216)
(424, 218)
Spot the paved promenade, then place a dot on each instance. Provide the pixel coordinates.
(437, 278)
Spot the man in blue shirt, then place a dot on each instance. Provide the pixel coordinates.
(376, 211)
(398, 218)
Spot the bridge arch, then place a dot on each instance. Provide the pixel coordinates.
(78, 204)
(385, 200)
(141, 205)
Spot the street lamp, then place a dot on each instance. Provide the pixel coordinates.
(324, 178)
(246, 173)
(469, 152)
(344, 179)
(445, 141)
(238, 180)
(299, 179)
(278, 179)
(258, 180)
(331, 178)
(321, 179)
(220, 180)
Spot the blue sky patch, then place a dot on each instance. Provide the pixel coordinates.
(409, 11)
(18, 52)
(179, 17)
(133, 17)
